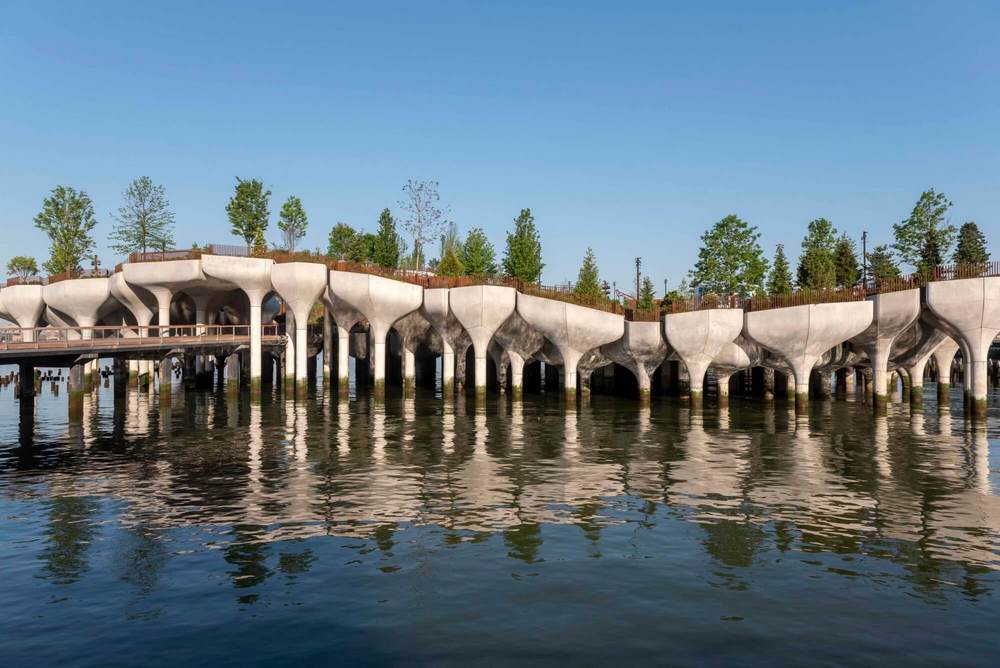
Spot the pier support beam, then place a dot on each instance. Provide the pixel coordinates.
(26, 381)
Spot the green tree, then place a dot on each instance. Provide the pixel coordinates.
(477, 254)
(292, 221)
(647, 294)
(386, 249)
(67, 217)
(523, 257)
(881, 265)
(144, 220)
(845, 262)
(780, 280)
(22, 267)
(342, 238)
(971, 247)
(363, 248)
(816, 270)
(924, 236)
(451, 263)
(249, 211)
(730, 261)
(588, 281)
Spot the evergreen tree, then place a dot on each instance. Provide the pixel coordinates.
(971, 247)
(451, 263)
(477, 254)
(292, 221)
(780, 280)
(924, 236)
(647, 296)
(67, 217)
(248, 211)
(845, 262)
(22, 267)
(523, 257)
(588, 282)
(144, 219)
(816, 270)
(386, 249)
(341, 242)
(730, 261)
(881, 265)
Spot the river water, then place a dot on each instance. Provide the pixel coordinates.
(216, 531)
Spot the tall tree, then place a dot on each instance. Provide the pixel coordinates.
(451, 263)
(292, 221)
(342, 238)
(588, 281)
(924, 236)
(780, 280)
(845, 262)
(249, 211)
(647, 295)
(144, 220)
(971, 247)
(881, 265)
(477, 254)
(67, 217)
(386, 248)
(816, 270)
(22, 267)
(730, 261)
(425, 218)
(523, 256)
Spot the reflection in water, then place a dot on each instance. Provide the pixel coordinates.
(252, 494)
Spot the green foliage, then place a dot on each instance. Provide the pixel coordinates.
(588, 281)
(67, 217)
(477, 254)
(451, 263)
(881, 265)
(523, 257)
(386, 248)
(292, 221)
(342, 237)
(780, 280)
(924, 238)
(730, 261)
(22, 266)
(816, 270)
(248, 211)
(845, 262)
(144, 220)
(971, 247)
(647, 294)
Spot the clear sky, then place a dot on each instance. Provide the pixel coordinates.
(630, 127)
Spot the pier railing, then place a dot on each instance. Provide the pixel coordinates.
(63, 338)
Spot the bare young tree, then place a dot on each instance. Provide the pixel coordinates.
(425, 218)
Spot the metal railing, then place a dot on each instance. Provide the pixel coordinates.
(129, 336)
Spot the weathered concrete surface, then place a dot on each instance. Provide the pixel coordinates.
(300, 284)
(345, 318)
(24, 303)
(640, 350)
(800, 335)
(164, 280)
(80, 299)
(382, 301)
(943, 356)
(482, 309)
(971, 307)
(519, 341)
(414, 331)
(698, 337)
(138, 301)
(892, 314)
(573, 329)
(437, 312)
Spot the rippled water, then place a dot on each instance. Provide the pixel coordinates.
(218, 531)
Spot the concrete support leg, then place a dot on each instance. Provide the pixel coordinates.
(696, 381)
(516, 375)
(448, 371)
(26, 381)
(480, 373)
(301, 355)
(850, 380)
(327, 347)
(800, 376)
(723, 390)
(343, 358)
(904, 377)
(76, 391)
(165, 373)
(233, 373)
(768, 384)
(380, 345)
(409, 373)
(880, 378)
(916, 373)
(571, 359)
(289, 361)
(256, 348)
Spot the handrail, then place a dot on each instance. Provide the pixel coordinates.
(129, 336)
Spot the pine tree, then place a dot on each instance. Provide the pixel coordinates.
(780, 280)
(971, 247)
(386, 245)
(450, 263)
(477, 254)
(292, 221)
(845, 262)
(144, 219)
(67, 217)
(816, 270)
(248, 211)
(523, 257)
(881, 265)
(647, 295)
(588, 282)
(730, 261)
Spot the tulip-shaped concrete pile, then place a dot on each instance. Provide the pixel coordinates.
(892, 314)
(81, 299)
(164, 280)
(698, 337)
(640, 350)
(24, 303)
(300, 284)
(436, 310)
(481, 309)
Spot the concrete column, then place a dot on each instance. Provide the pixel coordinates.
(76, 391)
(379, 371)
(916, 373)
(133, 373)
(327, 347)
(289, 362)
(516, 375)
(409, 372)
(301, 355)
(447, 370)
(26, 380)
(571, 359)
(880, 376)
(723, 390)
(850, 380)
(768, 377)
(256, 345)
(163, 297)
(166, 371)
(343, 357)
(233, 373)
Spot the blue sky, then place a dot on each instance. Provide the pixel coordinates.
(630, 127)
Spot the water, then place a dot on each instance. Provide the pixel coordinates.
(219, 532)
